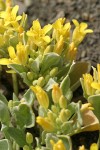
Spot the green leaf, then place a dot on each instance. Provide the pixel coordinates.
(25, 79)
(95, 101)
(4, 145)
(67, 127)
(35, 65)
(13, 41)
(18, 68)
(15, 98)
(69, 94)
(4, 113)
(29, 97)
(50, 136)
(67, 141)
(18, 135)
(77, 70)
(24, 116)
(50, 60)
(65, 85)
(63, 70)
(3, 99)
(49, 85)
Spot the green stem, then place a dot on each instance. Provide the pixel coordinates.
(15, 83)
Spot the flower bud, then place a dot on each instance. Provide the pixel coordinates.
(10, 104)
(58, 146)
(41, 95)
(45, 123)
(47, 77)
(30, 60)
(29, 138)
(63, 102)
(30, 76)
(64, 115)
(51, 116)
(58, 122)
(26, 147)
(56, 93)
(59, 46)
(34, 82)
(54, 109)
(54, 71)
(41, 81)
(47, 50)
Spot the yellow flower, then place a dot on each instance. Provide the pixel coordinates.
(87, 81)
(41, 95)
(18, 57)
(58, 146)
(38, 34)
(10, 16)
(45, 123)
(56, 93)
(61, 29)
(93, 146)
(79, 32)
(22, 53)
(59, 45)
(96, 76)
(72, 52)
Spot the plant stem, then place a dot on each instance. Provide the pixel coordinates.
(15, 83)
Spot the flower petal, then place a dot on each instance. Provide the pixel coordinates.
(4, 61)
(14, 11)
(11, 52)
(96, 85)
(47, 28)
(36, 25)
(76, 23)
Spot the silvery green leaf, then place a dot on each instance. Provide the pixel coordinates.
(50, 60)
(95, 101)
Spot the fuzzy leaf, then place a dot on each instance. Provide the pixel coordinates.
(35, 65)
(29, 97)
(18, 135)
(65, 86)
(25, 79)
(24, 116)
(18, 68)
(3, 99)
(4, 113)
(4, 145)
(95, 101)
(50, 60)
(76, 72)
(49, 85)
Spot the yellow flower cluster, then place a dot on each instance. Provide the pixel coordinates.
(54, 37)
(91, 84)
(58, 112)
